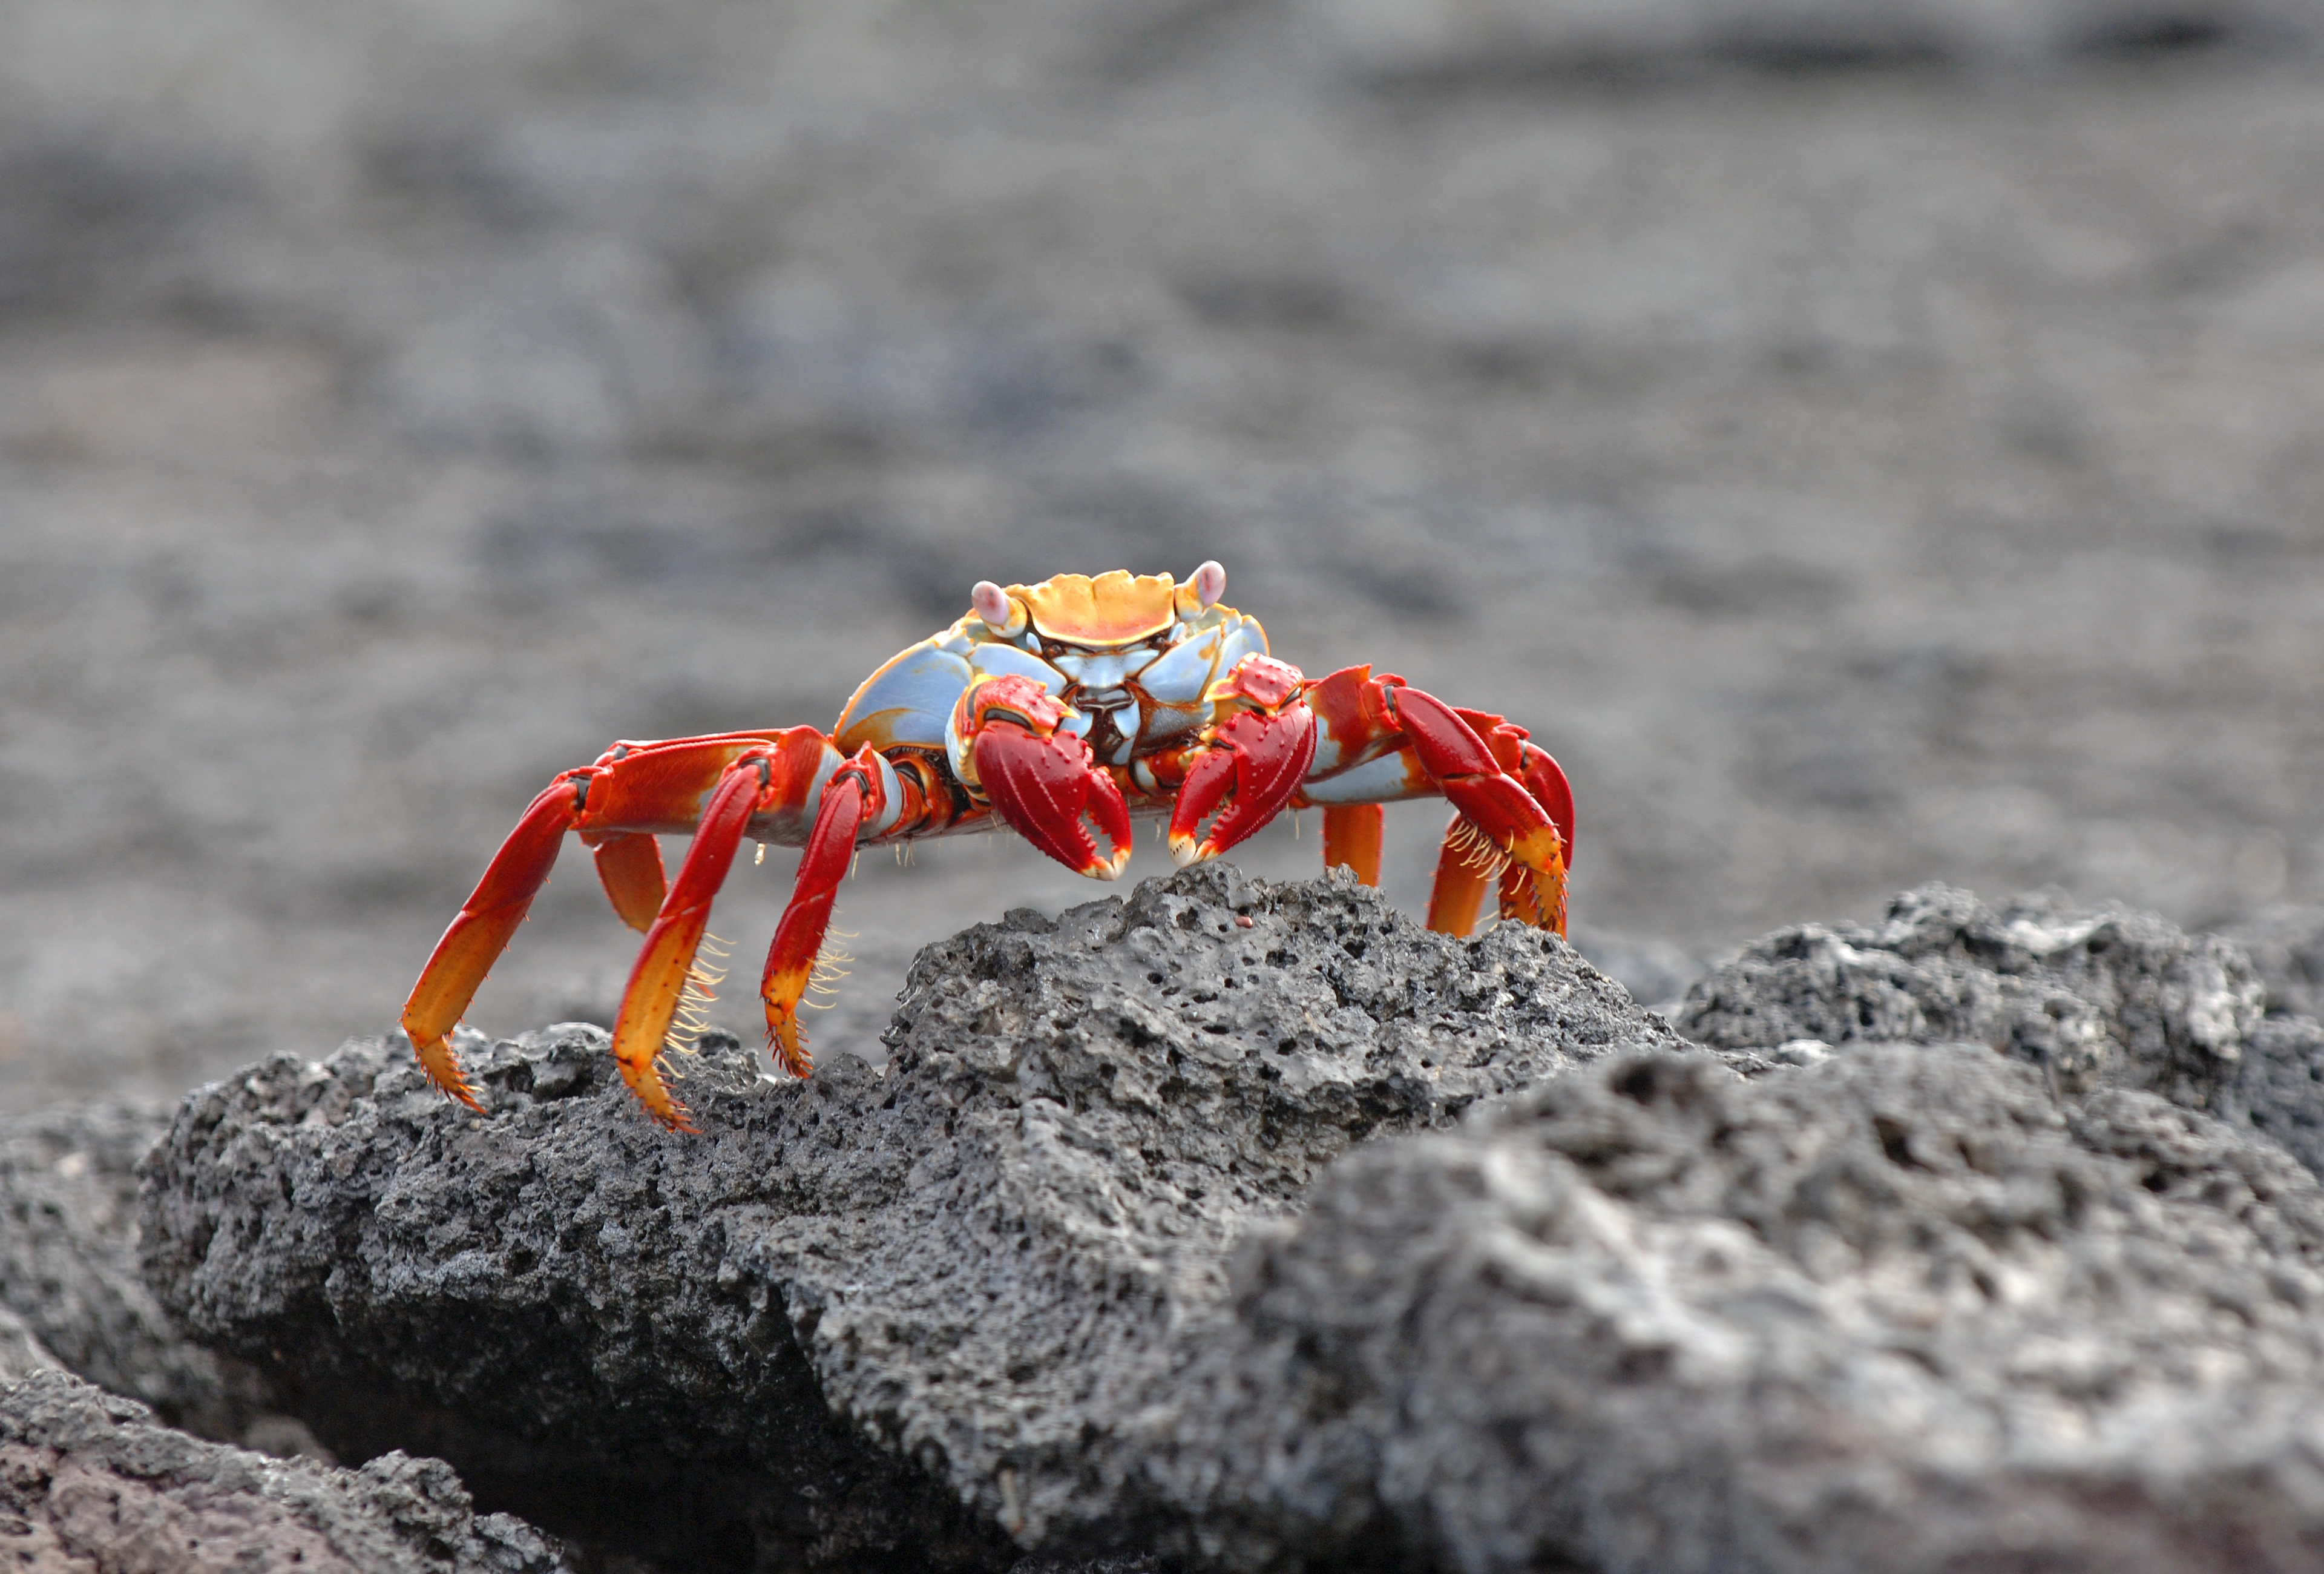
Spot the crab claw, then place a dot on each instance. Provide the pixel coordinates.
(1259, 757)
(1043, 781)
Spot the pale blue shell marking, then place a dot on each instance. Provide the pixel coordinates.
(1175, 680)
(996, 659)
(909, 698)
(1383, 779)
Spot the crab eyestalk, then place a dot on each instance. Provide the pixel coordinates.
(1258, 751)
(1043, 781)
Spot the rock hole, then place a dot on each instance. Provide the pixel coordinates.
(1638, 1082)
(1896, 1142)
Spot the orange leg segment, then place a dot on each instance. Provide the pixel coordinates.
(629, 866)
(1353, 834)
(1463, 871)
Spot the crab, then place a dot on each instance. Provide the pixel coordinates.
(1074, 705)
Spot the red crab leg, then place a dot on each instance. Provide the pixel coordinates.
(1254, 761)
(1526, 895)
(1500, 806)
(481, 932)
(770, 780)
(632, 790)
(1041, 781)
(850, 797)
(1353, 833)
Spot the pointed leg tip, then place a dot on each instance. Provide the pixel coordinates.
(1185, 850)
(788, 1048)
(443, 1069)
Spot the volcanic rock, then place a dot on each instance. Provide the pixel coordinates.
(2113, 997)
(22, 1354)
(1899, 1310)
(2108, 998)
(2286, 944)
(1458, 42)
(88, 1482)
(864, 1317)
(69, 1266)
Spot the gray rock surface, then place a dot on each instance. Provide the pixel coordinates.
(2286, 943)
(2110, 996)
(983, 1264)
(1517, 39)
(1900, 1310)
(22, 1354)
(69, 1266)
(89, 1483)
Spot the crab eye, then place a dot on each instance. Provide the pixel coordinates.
(1210, 583)
(991, 604)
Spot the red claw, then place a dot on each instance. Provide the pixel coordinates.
(1043, 781)
(1258, 758)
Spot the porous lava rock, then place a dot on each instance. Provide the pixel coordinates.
(1902, 1310)
(2111, 997)
(22, 1354)
(91, 1484)
(68, 1267)
(2286, 943)
(874, 1317)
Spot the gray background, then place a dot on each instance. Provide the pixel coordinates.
(1866, 441)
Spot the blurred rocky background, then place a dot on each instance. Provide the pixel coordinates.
(1868, 441)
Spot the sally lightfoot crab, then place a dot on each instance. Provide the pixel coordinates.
(1075, 704)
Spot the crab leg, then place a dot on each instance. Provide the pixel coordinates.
(1353, 833)
(1463, 871)
(629, 866)
(1539, 902)
(1383, 740)
(1513, 821)
(852, 796)
(481, 932)
(769, 781)
(616, 803)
